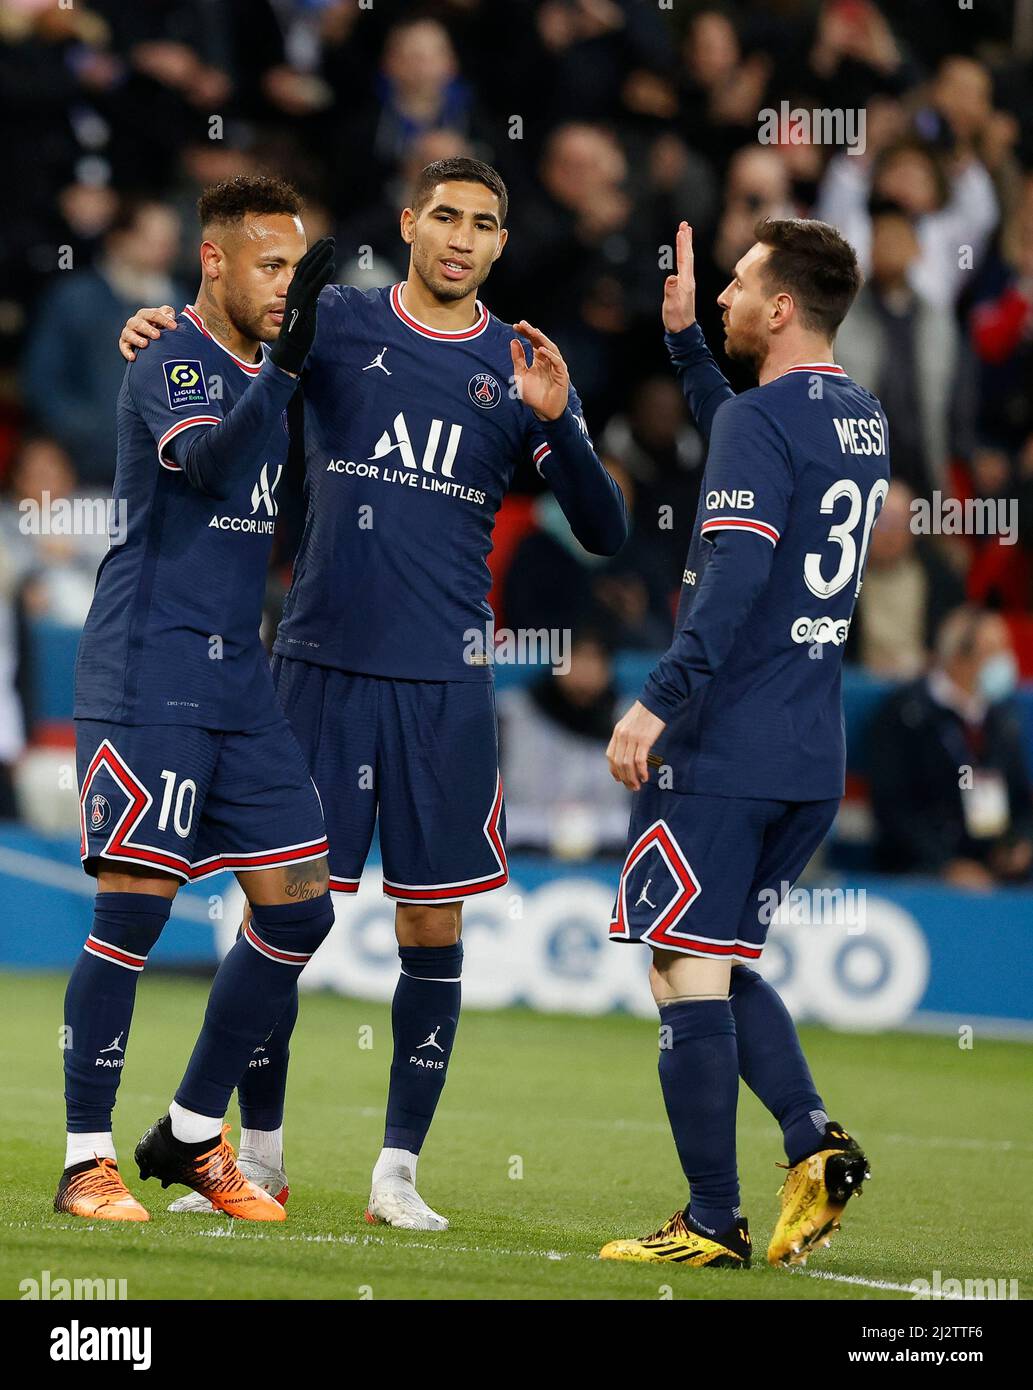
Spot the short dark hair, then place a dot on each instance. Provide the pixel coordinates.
(816, 264)
(459, 169)
(233, 199)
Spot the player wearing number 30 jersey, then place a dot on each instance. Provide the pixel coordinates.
(742, 720)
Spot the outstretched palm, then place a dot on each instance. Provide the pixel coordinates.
(679, 309)
(544, 385)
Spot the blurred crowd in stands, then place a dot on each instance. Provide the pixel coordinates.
(610, 120)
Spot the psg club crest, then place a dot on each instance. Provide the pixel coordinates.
(100, 811)
(484, 390)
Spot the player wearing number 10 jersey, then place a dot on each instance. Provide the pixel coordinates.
(186, 763)
(743, 720)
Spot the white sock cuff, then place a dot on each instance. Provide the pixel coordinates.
(190, 1128)
(263, 1145)
(80, 1147)
(395, 1163)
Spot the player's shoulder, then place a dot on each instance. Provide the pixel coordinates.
(185, 343)
(344, 299)
(818, 381)
(175, 370)
(749, 411)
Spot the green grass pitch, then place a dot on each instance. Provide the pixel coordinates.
(550, 1139)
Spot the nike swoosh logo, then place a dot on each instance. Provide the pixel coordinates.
(294, 317)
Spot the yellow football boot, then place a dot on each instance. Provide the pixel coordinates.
(813, 1197)
(677, 1243)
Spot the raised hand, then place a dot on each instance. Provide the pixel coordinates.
(313, 271)
(544, 385)
(679, 307)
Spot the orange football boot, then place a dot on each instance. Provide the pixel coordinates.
(213, 1173)
(95, 1189)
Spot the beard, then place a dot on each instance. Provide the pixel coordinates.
(746, 344)
(448, 291)
(247, 317)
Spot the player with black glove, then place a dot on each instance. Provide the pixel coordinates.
(298, 333)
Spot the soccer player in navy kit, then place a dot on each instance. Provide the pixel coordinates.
(741, 723)
(419, 404)
(186, 763)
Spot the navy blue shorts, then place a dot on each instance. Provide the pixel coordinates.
(423, 757)
(696, 868)
(192, 801)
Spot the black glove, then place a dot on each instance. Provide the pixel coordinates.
(313, 271)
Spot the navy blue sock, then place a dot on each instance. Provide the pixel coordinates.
(263, 1084)
(699, 1076)
(772, 1064)
(252, 987)
(424, 1018)
(99, 1003)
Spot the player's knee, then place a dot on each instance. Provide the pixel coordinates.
(674, 975)
(425, 925)
(126, 878)
(295, 929)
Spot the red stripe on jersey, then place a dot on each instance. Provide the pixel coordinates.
(740, 523)
(344, 885)
(822, 369)
(464, 335)
(178, 428)
(448, 892)
(119, 845)
(252, 368)
(268, 859)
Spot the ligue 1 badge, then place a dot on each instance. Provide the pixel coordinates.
(185, 383)
(100, 811)
(484, 390)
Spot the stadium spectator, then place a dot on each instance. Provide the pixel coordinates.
(12, 716)
(553, 582)
(52, 551)
(721, 88)
(1001, 328)
(951, 210)
(71, 380)
(560, 797)
(660, 449)
(905, 350)
(908, 590)
(419, 88)
(950, 784)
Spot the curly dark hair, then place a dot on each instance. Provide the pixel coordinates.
(232, 199)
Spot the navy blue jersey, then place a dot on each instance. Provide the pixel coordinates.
(795, 478)
(172, 636)
(412, 436)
